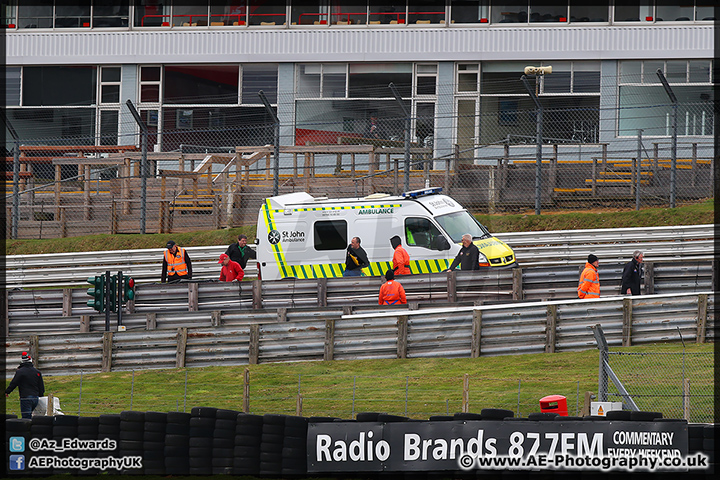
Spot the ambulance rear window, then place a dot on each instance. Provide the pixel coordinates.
(330, 235)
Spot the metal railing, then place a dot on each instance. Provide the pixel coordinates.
(559, 247)
(219, 337)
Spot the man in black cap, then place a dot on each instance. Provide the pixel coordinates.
(30, 385)
(176, 264)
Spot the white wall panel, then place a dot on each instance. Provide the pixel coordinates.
(359, 45)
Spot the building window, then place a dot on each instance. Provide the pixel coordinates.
(426, 79)
(184, 84)
(372, 79)
(583, 11)
(72, 15)
(321, 80)
(35, 15)
(426, 11)
(392, 13)
(109, 84)
(150, 84)
(71, 86)
(330, 235)
(12, 85)
(256, 77)
(262, 12)
(152, 13)
(470, 11)
(467, 77)
(115, 14)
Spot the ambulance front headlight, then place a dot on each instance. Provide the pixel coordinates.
(482, 260)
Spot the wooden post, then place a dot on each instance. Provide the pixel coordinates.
(67, 302)
(86, 192)
(352, 165)
(282, 314)
(476, 334)
(246, 391)
(518, 293)
(113, 217)
(306, 171)
(329, 352)
(604, 156)
(466, 394)
(686, 399)
(34, 348)
(107, 351)
(701, 318)
(50, 411)
(491, 188)
(553, 171)
(402, 324)
(593, 186)
(63, 223)
(257, 294)
(693, 171)
(150, 321)
(181, 347)
(627, 322)
(649, 278)
(58, 180)
(254, 348)
(124, 170)
(298, 405)
(84, 323)
(267, 166)
(295, 165)
(371, 170)
(586, 404)
(215, 318)
(656, 157)
(550, 327)
(194, 191)
(217, 212)
(192, 297)
(322, 292)
(451, 286)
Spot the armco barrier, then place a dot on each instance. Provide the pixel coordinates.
(278, 445)
(186, 304)
(378, 332)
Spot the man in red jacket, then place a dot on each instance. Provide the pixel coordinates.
(391, 292)
(231, 271)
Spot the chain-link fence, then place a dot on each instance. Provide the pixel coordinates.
(676, 384)
(77, 170)
(341, 396)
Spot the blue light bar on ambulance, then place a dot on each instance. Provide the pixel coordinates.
(422, 192)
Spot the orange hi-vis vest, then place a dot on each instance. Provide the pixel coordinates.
(176, 262)
(401, 261)
(392, 293)
(589, 286)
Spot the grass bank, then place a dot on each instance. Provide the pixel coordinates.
(695, 214)
(417, 388)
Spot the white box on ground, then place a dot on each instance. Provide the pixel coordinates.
(601, 408)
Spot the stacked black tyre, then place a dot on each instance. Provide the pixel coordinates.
(202, 426)
(88, 430)
(223, 443)
(248, 434)
(132, 432)
(41, 428)
(294, 453)
(154, 443)
(64, 426)
(177, 443)
(17, 427)
(272, 444)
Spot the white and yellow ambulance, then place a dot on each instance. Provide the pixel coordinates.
(302, 236)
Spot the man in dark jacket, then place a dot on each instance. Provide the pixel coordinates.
(356, 259)
(30, 385)
(632, 275)
(239, 252)
(468, 257)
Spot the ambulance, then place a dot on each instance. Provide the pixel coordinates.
(301, 236)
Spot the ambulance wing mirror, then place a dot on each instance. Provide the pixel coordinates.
(257, 241)
(441, 243)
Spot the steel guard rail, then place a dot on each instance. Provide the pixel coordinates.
(531, 248)
(379, 332)
(188, 304)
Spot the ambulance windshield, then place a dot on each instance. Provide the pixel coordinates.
(459, 223)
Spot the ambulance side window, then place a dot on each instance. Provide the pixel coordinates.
(330, 235)
(421, 232)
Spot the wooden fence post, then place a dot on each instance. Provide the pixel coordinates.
(35, 348)
(627, 322)
(181, 347)
(254, 348)
(329, 339)
(586, 404)
(63, 223)
(67, 302)
(322, 292)
(686, 399)
(215, 318)
(50, 410)
(518, 293)
(451, 286)
(298, 405)
(257, 294)
(402, 324)
(476, 334)
(84, 323)
(701, 318)
(466, 394)
(282, 314)
(150, 321)
(192, 297)
(649, 277)
(550, 327)
(107, 351)
(246, 391)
